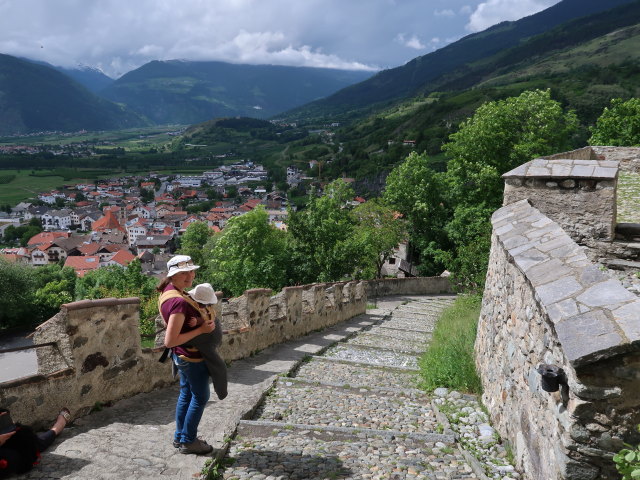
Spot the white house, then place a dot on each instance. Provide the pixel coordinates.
(57, 219)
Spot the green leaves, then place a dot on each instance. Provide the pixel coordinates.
(627, 462)
(249, 253)
(619, 125)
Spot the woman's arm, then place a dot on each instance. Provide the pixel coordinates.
(173, 337)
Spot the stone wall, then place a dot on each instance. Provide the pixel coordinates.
(408, 286)
(545, 303)
(578, 194)
(95, 354)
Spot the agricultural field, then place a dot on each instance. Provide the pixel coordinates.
(138, 139)
(23, 184)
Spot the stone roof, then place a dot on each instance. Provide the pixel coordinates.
(565, 168)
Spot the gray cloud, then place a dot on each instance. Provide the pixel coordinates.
(119, 35)
(495, 11)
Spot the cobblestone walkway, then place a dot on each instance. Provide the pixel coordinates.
(346, 410)
(354, 412)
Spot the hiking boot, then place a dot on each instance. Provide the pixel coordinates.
(176, 444)
(197, 447)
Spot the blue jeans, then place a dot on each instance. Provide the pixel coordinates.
(194, 395)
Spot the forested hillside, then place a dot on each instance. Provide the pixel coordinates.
(37, 98)
(417, 75)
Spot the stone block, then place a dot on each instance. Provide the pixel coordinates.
(628, 318)
(588, 337)
(558, 290)
(606, 293)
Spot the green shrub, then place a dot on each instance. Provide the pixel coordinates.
(627, 461)
(449, 360)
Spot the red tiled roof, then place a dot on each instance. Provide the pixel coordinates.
(83, 264)
(123, 257)
(89, 248)
(44, 237)
(108, 222)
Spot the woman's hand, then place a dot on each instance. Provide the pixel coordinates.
(5, 436)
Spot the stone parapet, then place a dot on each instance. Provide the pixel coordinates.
(93, 352)
(408, 286)
(578, 194)
(545, 303)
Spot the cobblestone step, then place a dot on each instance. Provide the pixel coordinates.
(387, 343)
(300, 453)
(371, 356)
(400, 334)
(321, 370)
(310, 404)
(410, 323)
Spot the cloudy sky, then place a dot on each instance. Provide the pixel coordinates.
(120, 35)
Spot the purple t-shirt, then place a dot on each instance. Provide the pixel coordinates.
(180, 305)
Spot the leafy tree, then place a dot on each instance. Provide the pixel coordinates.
(418, 192)
(500, 136)
(118, 282)
(249, 253)
(193, 241)
(323, 243)
(16, 302)
(619, 125)
(381, 231)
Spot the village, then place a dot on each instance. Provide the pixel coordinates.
(112, 222)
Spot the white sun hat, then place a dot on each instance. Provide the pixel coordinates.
(203, 293)
(180, 263)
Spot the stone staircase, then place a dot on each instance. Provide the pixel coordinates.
(354, 412)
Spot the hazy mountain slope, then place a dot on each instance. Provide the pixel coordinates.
(36, 97)
(92, 78)
(190, 92)
(409, 79)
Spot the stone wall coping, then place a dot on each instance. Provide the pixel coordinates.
(101, 302)
(31, 379)
(566, 168)
(593, 315)
(258, 291)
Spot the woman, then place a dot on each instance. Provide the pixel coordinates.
(194, 375)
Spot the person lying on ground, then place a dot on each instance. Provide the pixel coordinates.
(20, 447)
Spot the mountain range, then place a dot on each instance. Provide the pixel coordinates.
(187, 92)
(567, 47)
(35, 96)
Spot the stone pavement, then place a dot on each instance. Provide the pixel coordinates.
(348, 410)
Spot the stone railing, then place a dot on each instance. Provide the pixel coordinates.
(545, 303)
(93, 353)
(90, 353)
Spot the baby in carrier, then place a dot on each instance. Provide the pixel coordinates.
(206, 343)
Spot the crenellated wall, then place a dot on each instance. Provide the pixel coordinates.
(96, 357)
(546, 303)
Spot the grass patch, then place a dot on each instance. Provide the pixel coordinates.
(449, 360)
